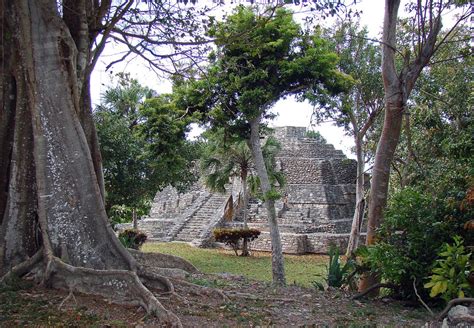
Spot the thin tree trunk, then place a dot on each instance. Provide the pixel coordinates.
(245, 197)
(397, 86)
(278, 269)
(134, 219)
(405, 179)
(394, 95)
(245, 245)
(381, 175)
(360, 200)
(381, 170)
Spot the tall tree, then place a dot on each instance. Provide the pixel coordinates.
(439, 141)
(357, 110)
(260, 58)
(399, 81)
(52, 212)
(143, 145)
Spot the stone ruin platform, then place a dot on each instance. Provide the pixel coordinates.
(315, 212)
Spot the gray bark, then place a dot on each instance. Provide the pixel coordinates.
(245, 199)
(245, 245)
(360, 200)
(278, 269)
(51, 207)
(397, 86)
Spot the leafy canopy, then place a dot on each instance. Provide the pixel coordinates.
(260, 58)
(144, 147)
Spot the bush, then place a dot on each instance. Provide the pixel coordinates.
(415, 227)
(450, 274)
(233, 237)
(131, 238)
(315, 135)
(337, 274)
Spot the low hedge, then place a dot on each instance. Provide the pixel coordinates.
(234, 237)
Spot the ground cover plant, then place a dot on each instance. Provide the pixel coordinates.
(132, 238)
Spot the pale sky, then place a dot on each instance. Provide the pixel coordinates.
(290, 112)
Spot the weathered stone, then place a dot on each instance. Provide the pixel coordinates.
(316, 209)
(460, 317)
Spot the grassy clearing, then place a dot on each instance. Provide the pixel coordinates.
(300, 269)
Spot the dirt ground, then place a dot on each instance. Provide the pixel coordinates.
(220, 301)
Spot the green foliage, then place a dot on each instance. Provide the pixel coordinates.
(315, 135)
(415, 227)
(222, 158)
(337, 274)
(451, 271)
(361, 59)
(143, 146)
(441, 123)
(131, 238)
(272, 195)
(259, 58)
(234, 237)
(124, 213)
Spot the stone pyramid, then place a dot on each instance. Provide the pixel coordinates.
(316, 210)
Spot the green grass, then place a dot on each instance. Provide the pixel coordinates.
(300, 269)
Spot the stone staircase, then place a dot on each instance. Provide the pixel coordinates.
(201, 219)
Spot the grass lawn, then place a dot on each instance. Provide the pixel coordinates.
(300, 269)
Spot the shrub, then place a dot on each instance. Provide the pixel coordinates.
(337, 274)
(131, 238)
(415, 227)
(451, 271)
(315, 135)
(233, 237)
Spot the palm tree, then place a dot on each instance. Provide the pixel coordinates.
(225, 158)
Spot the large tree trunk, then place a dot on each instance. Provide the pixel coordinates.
(360, 199)
(278, 269)
(52, 212)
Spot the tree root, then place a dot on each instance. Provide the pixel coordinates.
(204, 289)
(163, 261)
(371, 288)
(22, 268)
(119, 286)
(155, 281)
(69, 296)
(452, 303)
